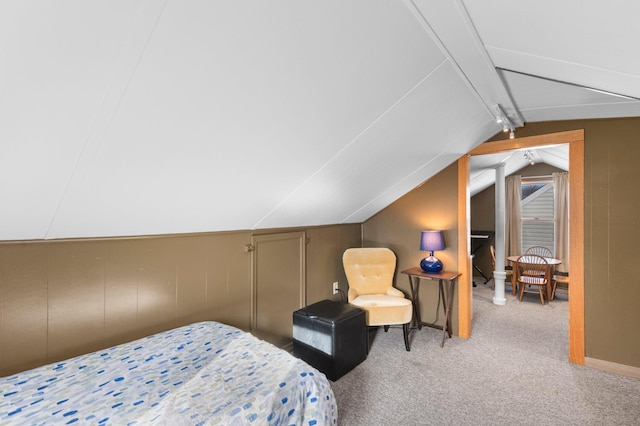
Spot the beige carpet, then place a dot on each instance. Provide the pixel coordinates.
(512, 371)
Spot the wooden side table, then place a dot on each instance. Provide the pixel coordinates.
(415, 276)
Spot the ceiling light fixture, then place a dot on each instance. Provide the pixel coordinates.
(503, 121)
(529, 156)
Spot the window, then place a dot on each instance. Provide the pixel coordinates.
(538, 224)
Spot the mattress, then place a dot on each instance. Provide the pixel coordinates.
(205, 373)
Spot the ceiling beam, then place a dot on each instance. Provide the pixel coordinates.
(449, 25)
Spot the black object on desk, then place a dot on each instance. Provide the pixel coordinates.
(480, 239)
(331, 336)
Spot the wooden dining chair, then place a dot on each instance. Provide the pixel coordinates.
(564, 288)
(540, 251)
(532, 271)
(508, 272)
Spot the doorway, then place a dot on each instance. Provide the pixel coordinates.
(575, 139)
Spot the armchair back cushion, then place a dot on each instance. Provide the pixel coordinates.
(369, 271)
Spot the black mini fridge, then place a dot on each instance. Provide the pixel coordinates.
(331, 336)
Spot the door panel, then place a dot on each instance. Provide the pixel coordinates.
(278, 284)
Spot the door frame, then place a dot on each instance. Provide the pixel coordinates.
(575, 140)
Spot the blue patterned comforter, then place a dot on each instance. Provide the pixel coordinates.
(201, 374)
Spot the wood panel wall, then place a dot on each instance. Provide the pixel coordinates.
(59, 299)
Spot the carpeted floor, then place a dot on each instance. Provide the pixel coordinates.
(512, 370)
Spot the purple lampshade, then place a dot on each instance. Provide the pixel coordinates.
(431, 241)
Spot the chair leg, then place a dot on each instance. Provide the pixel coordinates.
(386, 328)
(521, 291)
(542, 292)
(405, 331)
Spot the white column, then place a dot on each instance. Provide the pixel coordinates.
(499, 275)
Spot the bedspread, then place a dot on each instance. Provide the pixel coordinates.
(202, 374)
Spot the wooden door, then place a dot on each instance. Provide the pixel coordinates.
(278, 284)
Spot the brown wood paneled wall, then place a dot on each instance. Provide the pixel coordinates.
(59, 299)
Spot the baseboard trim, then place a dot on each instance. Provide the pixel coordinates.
(612, 367)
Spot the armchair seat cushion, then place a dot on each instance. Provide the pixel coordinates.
(387, 310)
(532, 280)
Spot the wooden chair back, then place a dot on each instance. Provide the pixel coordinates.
(533, 270)
(540, 251)
(508, 272)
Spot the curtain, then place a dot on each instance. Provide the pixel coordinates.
(561, 216)
(513, 216)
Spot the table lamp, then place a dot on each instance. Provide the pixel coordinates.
(431, 241)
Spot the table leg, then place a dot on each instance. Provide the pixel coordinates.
(550, 272)
(446, 304)
(415, 302)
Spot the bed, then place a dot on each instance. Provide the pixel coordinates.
(205, 373)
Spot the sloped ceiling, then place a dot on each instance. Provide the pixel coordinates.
(152, 117)
(482, 173)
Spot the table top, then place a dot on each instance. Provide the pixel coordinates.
(444, 275)
(550, 260)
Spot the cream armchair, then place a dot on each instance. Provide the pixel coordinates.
(370, 273)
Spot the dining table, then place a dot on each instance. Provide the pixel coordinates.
(551, 264)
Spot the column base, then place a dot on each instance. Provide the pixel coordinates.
(498, 295)
(500, 302)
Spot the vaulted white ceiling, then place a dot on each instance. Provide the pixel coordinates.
(482, 169)
(150, 117)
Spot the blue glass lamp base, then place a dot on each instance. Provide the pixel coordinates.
(431, 264)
